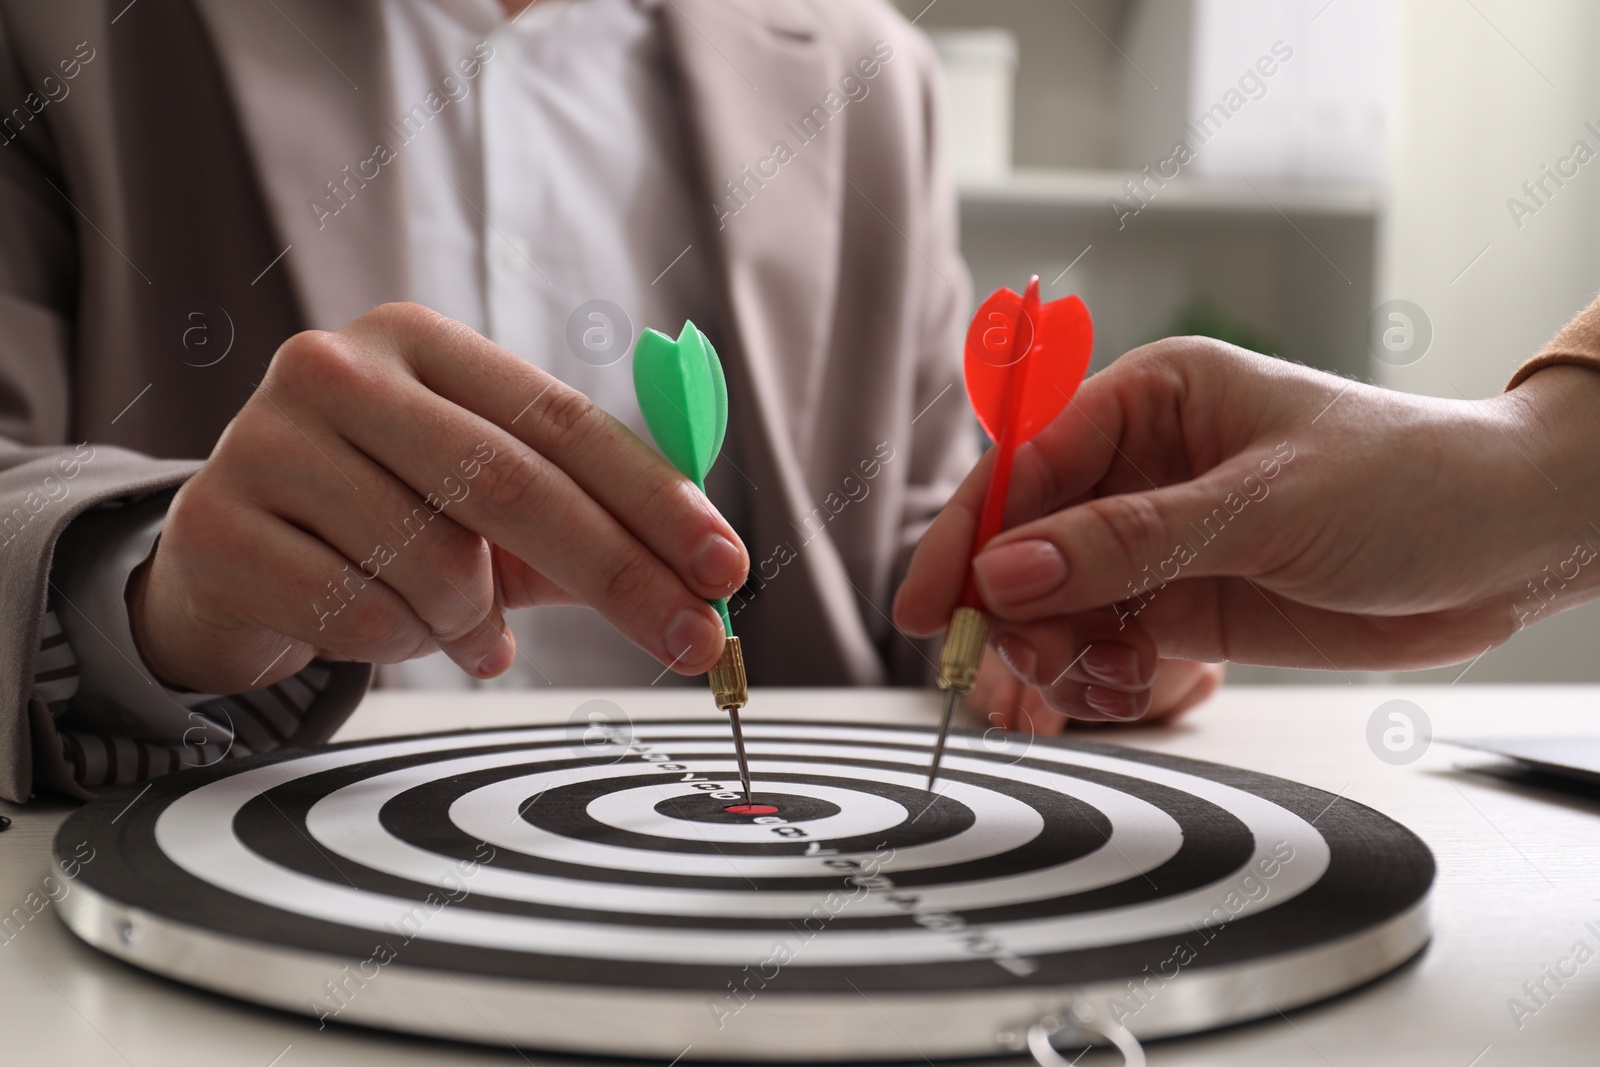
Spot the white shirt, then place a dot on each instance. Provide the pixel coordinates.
(554, 174)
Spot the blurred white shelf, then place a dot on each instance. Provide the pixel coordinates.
(1077, 191)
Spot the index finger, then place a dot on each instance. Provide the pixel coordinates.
(632, 539)
(1063, 462)
(630, 480)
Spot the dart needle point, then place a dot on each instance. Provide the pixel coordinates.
(950, 703)
(738, 744)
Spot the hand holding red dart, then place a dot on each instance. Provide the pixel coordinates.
(1024, 362)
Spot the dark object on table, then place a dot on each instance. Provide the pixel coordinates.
(1574, 759)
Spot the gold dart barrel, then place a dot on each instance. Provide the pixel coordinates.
(732, 692)
(728, 683)
(963, 650)
(958, 670)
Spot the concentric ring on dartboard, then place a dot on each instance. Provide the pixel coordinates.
(432, 831)
(344, 824)
(803, 810)
(862, 814)
(410, 818)
(351, 833)
(568, 811)
(197, 833)
(431, 843)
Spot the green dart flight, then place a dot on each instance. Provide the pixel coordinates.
(684, 399)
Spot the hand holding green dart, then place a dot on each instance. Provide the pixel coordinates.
(684, 399)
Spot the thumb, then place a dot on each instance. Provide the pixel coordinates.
(1115, 548)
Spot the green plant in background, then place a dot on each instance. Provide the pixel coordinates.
(1201, 317)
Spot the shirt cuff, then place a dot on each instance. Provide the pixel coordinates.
(1577, 345)
(117, 723)
(94, 558)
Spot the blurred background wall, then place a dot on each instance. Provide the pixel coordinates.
(1347, 193)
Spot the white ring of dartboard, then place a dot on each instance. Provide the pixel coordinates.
(513, 885)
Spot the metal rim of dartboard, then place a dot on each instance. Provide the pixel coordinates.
(573, 910)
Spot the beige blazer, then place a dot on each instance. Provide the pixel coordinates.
(171, 176)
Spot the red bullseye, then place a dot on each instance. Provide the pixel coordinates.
(750, 809)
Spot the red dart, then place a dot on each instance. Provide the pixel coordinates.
(1018, 379)
(1024, 362)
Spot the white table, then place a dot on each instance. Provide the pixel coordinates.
(1519, 875)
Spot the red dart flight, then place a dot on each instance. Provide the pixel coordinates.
(1024, 363)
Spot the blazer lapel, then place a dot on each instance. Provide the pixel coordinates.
(773, 198)
(773, 188)
(310, 83)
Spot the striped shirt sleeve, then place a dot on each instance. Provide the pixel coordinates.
(116, 722)
(219, 727)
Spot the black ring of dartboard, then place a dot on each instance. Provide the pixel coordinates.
(563, 810)
(420, 817)
(1203, 858)
(1377, 871)
(707, 809)
(1213, 845)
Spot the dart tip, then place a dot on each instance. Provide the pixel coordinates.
(738, 745)
(951, 700)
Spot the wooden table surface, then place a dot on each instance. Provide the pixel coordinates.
(1519, 877)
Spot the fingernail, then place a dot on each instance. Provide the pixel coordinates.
(716, 563)
(1112, 703)
(1113, 663)
(692, 636)
(1020, 572)
(1019, 656)
(495, 663)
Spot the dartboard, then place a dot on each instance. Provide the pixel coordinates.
(612, 893)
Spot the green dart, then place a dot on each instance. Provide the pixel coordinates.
(684, 399)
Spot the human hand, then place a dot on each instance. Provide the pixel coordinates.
(1197, 501)
(1001, 699)
(392, 488)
